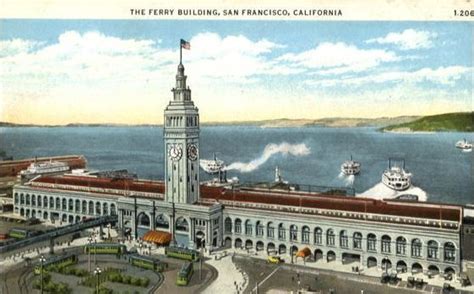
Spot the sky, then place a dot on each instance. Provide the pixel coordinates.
(122, 71)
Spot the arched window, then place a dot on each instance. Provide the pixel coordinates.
(343, 240)
(305, 235)
(270, 230)
(416, 248)
(45, 201)
(22, 199)
(77, 206)
(330, 238)
(401, 245)
(97, 208)
(39, 200)
(105, 208)
(357, 240)
(259, 229)
(228, 225)
(91, 207)
(318, 236)
(371, 242)
(112, 209)
(161, 221)
(293, 233)
(432, 249)
(182, 224)
(386, 242)
(84, 206)
(238, 226)
(27, 199)
(449, 252)
(17, 200)
(70, 204)
(64, 202)
(281, 232)
(33, 200)
(248, 227)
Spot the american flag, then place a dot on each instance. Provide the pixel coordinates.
(185, 44)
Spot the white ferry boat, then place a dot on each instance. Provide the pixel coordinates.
(350, 167)
(212, 166)
(396, 177)
(463, 144)
(43, 168)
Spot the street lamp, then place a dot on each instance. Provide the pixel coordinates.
(95, 250)
(42, 260)
(89, 240)
(97, 272)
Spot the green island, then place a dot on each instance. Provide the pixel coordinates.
(449, 122)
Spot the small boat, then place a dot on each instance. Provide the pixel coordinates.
(350, 167)
(463, 144)
(396, 177)
(212, 166)
(43, 168)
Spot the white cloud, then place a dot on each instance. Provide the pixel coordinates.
(232, 58)
(338, 58)
(442, 75)
(16, 46)
(98, 73)
(408, 39)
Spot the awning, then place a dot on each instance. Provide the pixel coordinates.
(157, 237)
(304, 252)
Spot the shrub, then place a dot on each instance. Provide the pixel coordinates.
(135, 281)
(62, 288)
(126, 279)
(80, 272)
(103, 290)
(144, 282)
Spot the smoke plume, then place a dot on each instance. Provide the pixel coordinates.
(270, 150)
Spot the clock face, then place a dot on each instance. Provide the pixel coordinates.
(175, 152)
(192, 152)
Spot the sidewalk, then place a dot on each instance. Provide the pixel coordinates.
(230, 277)
(337, 266)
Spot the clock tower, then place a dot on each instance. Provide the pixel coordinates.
(181, 144)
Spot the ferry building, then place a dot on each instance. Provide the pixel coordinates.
(410, 236)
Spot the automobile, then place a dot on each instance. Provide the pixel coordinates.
(274, 259)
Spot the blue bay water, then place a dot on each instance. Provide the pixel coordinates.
(440, 169)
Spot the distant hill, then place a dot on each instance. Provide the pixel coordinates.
(333, 122)
(449, 122)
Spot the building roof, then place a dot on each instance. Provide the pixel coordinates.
(248, 196)
(108, 184)
(340, 203)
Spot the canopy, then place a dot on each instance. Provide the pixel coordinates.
(304, 252)
(157, 237)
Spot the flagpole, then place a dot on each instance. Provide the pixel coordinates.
(180, 52)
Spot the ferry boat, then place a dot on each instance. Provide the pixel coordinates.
(396, 177)
(463, 144)
(350, 167)
(43, 168)
(212, 166)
